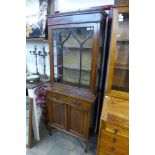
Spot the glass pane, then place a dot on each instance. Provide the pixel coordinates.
(71, 53)
(123, 27)
(71, 76)
(59, 36)
(121, 70)
(72, 50)
(86, 39)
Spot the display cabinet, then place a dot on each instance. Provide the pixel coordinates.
(76, 44)
(113, 138)
(118, 77)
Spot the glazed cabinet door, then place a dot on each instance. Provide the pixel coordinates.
(73, 48)
(118, 79)
(57, 113)
(78, 121)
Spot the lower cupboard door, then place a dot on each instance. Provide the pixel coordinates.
(78, 121)
(58, 110)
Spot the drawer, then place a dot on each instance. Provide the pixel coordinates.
(114, 140)
(54, 95)
(103, 152)
(117, 130)
(69, 100)
(111, 148)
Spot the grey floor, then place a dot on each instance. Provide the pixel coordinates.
(60, 144)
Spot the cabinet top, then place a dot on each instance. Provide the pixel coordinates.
(72, 92)
(116, 111)
(85, 16)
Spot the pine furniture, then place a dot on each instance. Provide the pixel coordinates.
(113, 136)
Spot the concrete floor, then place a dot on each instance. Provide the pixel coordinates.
(61, 144)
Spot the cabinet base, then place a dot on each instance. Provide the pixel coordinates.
(66, 132)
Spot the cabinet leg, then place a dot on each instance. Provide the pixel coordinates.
(50, 130)
(86, 147)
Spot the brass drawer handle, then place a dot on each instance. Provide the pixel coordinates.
(77, 103)
(115, 131)
(55, 99)
(114, 140)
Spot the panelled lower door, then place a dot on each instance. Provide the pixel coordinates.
(78, 121)
(58, 111)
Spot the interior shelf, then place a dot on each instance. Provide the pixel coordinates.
(74, 48)
(77, 69)
(122, 40)
(121, 67)
(72, 77)
(71, 68)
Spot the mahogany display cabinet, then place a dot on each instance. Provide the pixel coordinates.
(77, 43)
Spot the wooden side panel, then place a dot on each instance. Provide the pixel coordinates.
(78, 121)
(112, 49)
(51, 54)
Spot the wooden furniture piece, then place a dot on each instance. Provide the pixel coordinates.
(29, 107)
(113, 136)
(114, 127)
(118, 76)
(77, 50)
(121, 2)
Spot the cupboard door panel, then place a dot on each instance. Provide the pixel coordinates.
(58, 113)
(78, 121)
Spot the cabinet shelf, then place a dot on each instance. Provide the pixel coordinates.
(72, 77)
(121, 67)
(77, 69)
(73, 48)
(71, 68)
(122, 40)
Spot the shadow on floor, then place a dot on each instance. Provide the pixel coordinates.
(60, 144)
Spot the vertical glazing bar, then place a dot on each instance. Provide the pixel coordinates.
(90, 35)
(62, 62)
(80, 56)
(80, 65)
(62, 49)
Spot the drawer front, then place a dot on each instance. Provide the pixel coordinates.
(69, 100)
(114, 140)
(111, 148)
(117, 130)
(103, 152)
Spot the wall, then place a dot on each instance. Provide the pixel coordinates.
(66, 5)
(59, 5)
